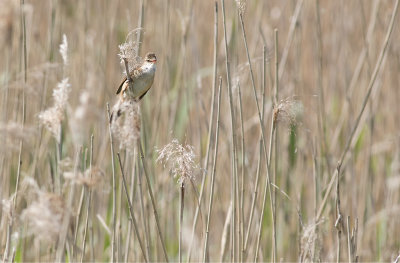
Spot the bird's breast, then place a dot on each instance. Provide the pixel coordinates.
(143, 82)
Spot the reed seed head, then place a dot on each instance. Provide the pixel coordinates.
(90, 178)
(241, 5)
(126, 128)
(64, 50)
(44, 216)
(180, 160)
(310, 243)
(13, 133)
(288, 111)
(7, 207)
(128, 51)
(52, 117)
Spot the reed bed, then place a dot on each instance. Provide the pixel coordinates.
(271, 132)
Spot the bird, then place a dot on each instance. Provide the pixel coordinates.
(142, 79)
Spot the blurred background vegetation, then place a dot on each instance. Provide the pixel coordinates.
(327, 51)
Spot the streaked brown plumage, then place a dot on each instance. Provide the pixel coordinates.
(142, 79)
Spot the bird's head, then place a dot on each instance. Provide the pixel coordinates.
(151, 58)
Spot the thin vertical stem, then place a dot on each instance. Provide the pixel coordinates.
(88, 200)
(182, 203)
(213, 173)
(145, 223)
(267, 188)
(292, 27)
(131, 194)
(66, 220)
(264, 84)
(276, 99)
(339, 219)
(77, 219)
(321, 101)
(233, 139)
(135, 226)
(357, 70)
(210, 128)
(316, 195)
(366, 98)
(8, 242)
(261, 127)
(355, 257)
(254, 88)
(255, 192)
(22, 5)
(25, 62)
(276, 94)
(79, 214)
(349, 240)
(241, 218)
(254, 199)
(152, 199)
(139, 35)
(114, 187)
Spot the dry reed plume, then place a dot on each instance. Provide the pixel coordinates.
(179, 159)
(288, 111)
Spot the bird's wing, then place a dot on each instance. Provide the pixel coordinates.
(144, 93)
(141, 96)
(120, 85)
(134, 73)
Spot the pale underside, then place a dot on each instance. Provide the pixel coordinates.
(142, 80)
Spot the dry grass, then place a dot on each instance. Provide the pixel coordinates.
(331, 102)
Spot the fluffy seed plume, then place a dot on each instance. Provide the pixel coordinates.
(64, 49)
(52, 117)
(310, 243)
(241, 5)
(128, 51)
(288, 111)
(179, 159)
(7, 207)
(126, 128)
(44, 215)
(60, 94)
(90, 178)
(12, 132)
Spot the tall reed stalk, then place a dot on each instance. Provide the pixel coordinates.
(260, 119)
(135, 225)
(214, 167)
(233, 139)
(364, 104)
(89, 199)
(210, 129)
(114, 188)
(155, 212)
(181, 207)
(276, 101)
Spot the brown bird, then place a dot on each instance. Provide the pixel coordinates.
(142, 79)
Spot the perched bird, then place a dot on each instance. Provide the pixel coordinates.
(142, 80)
